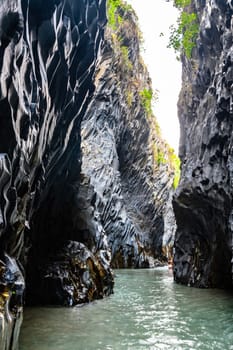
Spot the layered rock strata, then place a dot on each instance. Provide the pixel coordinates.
(126, 165)
(203, 201)
(48, 56)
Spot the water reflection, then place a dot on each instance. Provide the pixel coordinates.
(147, 311)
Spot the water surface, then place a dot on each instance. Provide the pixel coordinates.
(147, 311)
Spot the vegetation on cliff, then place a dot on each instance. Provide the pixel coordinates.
(115, 10)
(203, 200)
(119, 13)
(183, 36)
(123, 150)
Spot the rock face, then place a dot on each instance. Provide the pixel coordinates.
(48, 56)
(203, 201)
(127, 172)
(62, 224)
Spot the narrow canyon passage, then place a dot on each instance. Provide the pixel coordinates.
(148, 311)
(89, 185)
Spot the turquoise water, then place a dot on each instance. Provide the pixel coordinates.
(147, 311)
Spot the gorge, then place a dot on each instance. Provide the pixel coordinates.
(87, 182)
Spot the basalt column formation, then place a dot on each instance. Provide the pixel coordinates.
(203, 201)
(48, 56)
(85, 176)
(127, 169)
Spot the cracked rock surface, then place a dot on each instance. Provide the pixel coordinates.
(203, 201)
(48, 56)
(126, 173)
(85, 177)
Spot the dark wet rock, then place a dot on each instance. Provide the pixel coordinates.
(12, 287)
(73, 276)
(48, 56)
(203, 201)
(126, 173)
(63, 224)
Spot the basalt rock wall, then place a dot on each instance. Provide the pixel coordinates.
(71, 208)
(203, 201)
(48, 52)
(125, 162)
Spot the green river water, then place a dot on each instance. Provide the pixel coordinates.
(148, 311)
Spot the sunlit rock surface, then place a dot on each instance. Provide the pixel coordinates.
(127, 173)
(48, 56)
(203, 202)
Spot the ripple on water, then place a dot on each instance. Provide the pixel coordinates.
(147, 312)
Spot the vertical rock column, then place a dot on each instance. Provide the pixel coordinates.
(203, 201)
(126, 173)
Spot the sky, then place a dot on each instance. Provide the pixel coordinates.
(155, 17)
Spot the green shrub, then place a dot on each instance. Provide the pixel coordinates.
(113, 13)
(183, 36)
(158, 155)
(146, 99)
(112, 7)
(182, 3)
(175, 164)
(161, 157)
